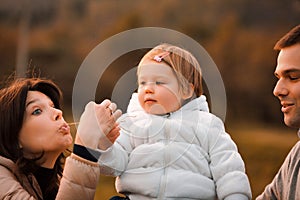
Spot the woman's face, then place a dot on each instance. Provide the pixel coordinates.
(43, 129)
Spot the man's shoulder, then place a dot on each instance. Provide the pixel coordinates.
(296, 148)
(294, 155)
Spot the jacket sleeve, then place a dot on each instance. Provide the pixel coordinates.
(80, 179)
(226, 164)
(114, 160)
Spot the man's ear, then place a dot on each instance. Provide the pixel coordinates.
(188, 92)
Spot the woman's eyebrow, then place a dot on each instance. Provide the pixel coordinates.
(31, 102)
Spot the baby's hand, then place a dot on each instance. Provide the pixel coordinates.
(111, 136)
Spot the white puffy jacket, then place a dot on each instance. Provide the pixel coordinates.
(183, 155)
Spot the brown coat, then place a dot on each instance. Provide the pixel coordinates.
(79, 181)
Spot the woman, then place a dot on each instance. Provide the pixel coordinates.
(33, 139)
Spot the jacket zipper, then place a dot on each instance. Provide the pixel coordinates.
(163, 181)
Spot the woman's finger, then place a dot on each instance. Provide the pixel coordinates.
(113, 107)
(117, 114)
(105, 103)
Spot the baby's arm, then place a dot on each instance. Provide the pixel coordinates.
(114, 160)
(226, 165)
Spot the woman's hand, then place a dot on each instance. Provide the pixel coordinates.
(97, 127)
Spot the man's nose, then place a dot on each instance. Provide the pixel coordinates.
(280, 88)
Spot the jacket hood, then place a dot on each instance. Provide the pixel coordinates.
(199, 103)
(9, 164)
(29, 183)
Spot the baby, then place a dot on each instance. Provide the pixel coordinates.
(170, 146)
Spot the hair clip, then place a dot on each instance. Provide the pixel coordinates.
(159, 57)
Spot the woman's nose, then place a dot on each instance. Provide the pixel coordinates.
(57, 114)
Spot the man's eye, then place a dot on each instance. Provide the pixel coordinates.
(294, 78)
(37, 112)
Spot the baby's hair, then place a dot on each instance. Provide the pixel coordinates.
(185, 65)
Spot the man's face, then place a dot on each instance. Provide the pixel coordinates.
(287, 88)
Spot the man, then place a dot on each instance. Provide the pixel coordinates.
(286, 183)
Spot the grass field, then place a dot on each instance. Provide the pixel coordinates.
(262, 148)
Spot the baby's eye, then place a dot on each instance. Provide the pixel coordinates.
(37, 112)
(142, 83)
(159, 83)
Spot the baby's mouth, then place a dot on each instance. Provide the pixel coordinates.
(150, 101)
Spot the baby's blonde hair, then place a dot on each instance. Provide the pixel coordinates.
(185, 65)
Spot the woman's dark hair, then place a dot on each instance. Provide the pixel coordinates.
(12, 110)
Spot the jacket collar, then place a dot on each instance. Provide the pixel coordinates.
(199, 103)
(29, 183)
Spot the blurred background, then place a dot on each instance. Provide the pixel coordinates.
(54, 37)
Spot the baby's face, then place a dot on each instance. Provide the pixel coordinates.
(158, 90)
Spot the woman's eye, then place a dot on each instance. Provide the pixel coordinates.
(142, 83)
(158, 83)
(37, 112)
